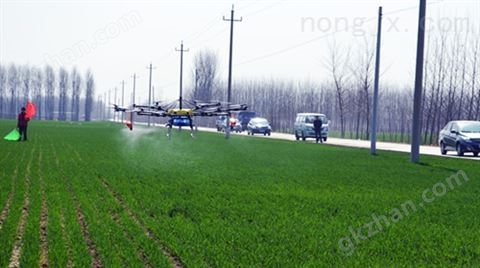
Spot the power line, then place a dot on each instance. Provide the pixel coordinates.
(213, 23)
(196, 35)
(263, 9)
(301, 44)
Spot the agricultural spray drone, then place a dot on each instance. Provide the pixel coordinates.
(178, 115)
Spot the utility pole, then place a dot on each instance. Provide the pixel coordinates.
(133, 98)
(123, 95)
(153, 99)
(196, 81)
(99, 111)
(417, 95)
(373, 141)
(105, 104)
(134, 81)
(229, 90)
(115, 101)
(109, 102)
(150, 89)
(181, 50)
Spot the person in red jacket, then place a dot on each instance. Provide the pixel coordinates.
(22, 124)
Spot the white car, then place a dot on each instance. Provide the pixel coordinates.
(303, 126)
(259, 125)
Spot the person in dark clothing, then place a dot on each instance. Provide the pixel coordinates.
(22, 124)
(190, 120)
(169, 125)
(317, 126)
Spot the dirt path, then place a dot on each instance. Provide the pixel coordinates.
(43, 219)
(6, 207)
(18, 244)
(8, 203)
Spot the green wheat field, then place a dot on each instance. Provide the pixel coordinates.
(99, 195)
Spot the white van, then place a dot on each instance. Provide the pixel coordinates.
(303, 126)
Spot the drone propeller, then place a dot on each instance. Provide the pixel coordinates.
(118, 108)
(171, 109)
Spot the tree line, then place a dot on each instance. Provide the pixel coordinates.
(59, 95)
(451, 91)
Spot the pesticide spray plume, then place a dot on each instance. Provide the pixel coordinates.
(143, 142)
(133, 136)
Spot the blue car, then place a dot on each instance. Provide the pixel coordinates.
(460, 136)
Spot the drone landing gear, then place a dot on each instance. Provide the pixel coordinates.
(169, 133)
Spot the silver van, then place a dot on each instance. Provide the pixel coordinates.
(303, 126)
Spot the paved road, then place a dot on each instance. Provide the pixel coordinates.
(387, 146)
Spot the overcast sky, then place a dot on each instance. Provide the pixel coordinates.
(276, 39)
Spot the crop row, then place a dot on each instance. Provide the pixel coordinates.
(55, 212)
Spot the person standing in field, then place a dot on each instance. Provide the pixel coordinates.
(190, 121)
(317, 126)
(22, 124)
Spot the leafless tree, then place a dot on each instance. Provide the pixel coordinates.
(474, 98)
(338, 66)
(89, 95)
(362, 70)
(19, 84)
(37, 86)
(63, 91)
(437, 74)
(76, 81)
(50, 93)
(25, 76)
(450, 81)
(3, 90)
(204, 74)
(13, 85)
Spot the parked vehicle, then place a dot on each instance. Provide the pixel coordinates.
(303, 126)
(244, 117)
(234, 125)
(259, 125)
(460, 136)
(221, 124)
